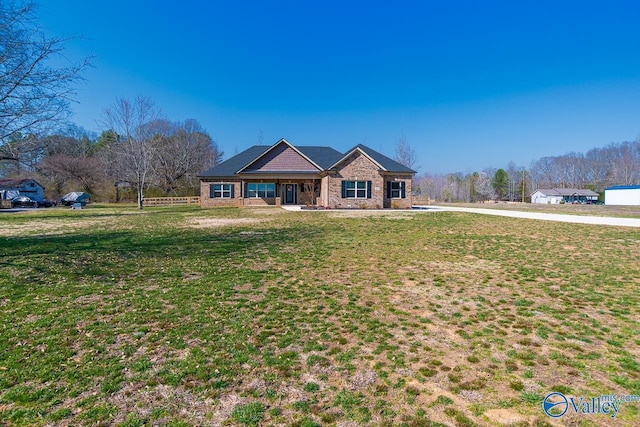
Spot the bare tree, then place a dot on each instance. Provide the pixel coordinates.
(23, 151)
(626, 164)
(598, 167)
(137, 145)
(68, 162)
(617, 163)
(33, 93)
(311, 190)
(64, 169)
(405, 154)
(484, 189)
(183, 152)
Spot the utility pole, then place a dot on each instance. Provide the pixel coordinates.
(522, 185)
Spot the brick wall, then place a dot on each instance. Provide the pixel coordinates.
(207, 202)
(257, 201)
(324, 192)
(356, 167)
(398, 203)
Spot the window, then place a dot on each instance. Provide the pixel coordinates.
(260, 190)
(221, 191)
(396, 190)
(356, 189)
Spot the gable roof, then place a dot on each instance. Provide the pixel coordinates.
(232, 165)
(385, 163)
(17, 183)
(296, 160)
(324, 158)
(566, 192)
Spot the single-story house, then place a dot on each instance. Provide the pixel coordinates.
(12, 188)
(284, 174)
(628, 195)
(563, 195)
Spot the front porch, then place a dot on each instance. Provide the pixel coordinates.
(280, 192)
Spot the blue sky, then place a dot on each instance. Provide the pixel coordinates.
(471, 84)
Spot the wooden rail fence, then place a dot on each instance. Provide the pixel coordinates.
(171, 201)
(421, 200)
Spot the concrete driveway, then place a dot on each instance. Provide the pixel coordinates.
(14, 210)
(577, 219)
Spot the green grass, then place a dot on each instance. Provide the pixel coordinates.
(249, 414)
(182, 316)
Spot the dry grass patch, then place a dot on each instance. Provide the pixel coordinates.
(221, 222)
(49, 227)
(364, 213)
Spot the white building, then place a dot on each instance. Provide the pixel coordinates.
(628, 195)
(554, 196)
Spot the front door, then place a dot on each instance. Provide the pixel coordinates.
(290, 194)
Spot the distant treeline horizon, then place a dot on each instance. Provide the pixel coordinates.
(597, 169)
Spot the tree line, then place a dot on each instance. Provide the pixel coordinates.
(162, 158)
(597, 169)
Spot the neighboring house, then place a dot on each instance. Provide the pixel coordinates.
(628, 195)
(11, 188)
(284, 174)
(563, 195)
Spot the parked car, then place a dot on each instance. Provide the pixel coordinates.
(75, 197)
(46, 203)
(23, 202)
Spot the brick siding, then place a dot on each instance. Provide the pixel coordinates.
(356, 167)
(205, 194)
(398, 203)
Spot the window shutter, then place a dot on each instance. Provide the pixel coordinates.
(344, 189)
(211, 191)
(402, 190)
(388, 189)
(368, 189)
(233, 188)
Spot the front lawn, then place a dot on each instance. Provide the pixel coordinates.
(183, 316)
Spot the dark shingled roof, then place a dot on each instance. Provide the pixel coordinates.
(232, 165)
(325, 157)
(321, 156)
(388, 164)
